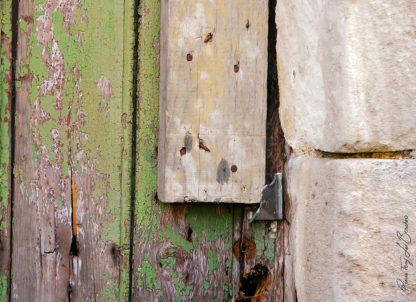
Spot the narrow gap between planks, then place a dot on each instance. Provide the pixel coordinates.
(135, 117)
(14, 27)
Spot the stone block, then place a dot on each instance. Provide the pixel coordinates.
(353, 229)
(346, 74)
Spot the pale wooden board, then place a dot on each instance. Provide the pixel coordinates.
(206, 98)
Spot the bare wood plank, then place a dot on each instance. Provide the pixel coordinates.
(213, 101)
(73, 108)
(181, 252)
(42, 233)
(5, 144)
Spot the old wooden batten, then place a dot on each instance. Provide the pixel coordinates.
(213, 78)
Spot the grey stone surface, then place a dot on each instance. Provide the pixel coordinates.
(347, 77)
(344, 240)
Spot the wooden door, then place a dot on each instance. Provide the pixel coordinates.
(79, 117)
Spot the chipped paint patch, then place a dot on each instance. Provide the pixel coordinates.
(105, 87)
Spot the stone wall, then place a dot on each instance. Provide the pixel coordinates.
(347, 87)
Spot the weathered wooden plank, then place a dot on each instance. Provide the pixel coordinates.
(5, 144)
(74, 108)
(213, 74)
(181, 252)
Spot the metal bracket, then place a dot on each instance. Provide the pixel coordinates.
(271, 205)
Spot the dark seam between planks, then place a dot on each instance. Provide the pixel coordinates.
(14, 18)
(137, 18)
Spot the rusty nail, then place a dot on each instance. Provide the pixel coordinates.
(233, 168)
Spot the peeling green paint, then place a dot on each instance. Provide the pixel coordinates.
(110, 291)
(59, 202)
(5, 67)
(5, 131)
(147, 275)
(95, 124)
(3, 287)
(209, 223)
(23, 24)
(206, 287)
(265, 241)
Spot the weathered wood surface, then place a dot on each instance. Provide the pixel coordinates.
(74, 115)
(73, 108)
(181, 252)
(189, 252)
(213, 101)
(5, 144)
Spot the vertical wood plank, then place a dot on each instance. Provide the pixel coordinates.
(213, 101)
(74, 112)
(5, 144)
(181, 252)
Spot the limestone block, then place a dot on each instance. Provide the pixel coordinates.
(346, 74)
(353, 229)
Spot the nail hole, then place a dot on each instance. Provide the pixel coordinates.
(237, 67)
(208, 37)
(247, 24)
(182, 152)
(234, 168)
(189, 57)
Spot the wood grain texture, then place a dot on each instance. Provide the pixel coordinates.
(5, 144)
(181, 252)
(73, 113)
(213, 101)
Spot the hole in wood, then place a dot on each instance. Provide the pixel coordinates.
(189, 57)
(234, 168)
(189, 234)
(74, 251)
(237, 67)
(247, 248)
(208, 37)
(182, 152)
(254, 284)
(247, 24)
(115, 253)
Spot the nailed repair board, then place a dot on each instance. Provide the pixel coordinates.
(213, 89)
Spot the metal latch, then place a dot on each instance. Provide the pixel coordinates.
(271, 205)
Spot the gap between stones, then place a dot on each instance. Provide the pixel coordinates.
(403, 154)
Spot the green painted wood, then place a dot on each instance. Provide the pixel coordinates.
(74, 84)
(5, 144)
(181, 252)
(73, 116)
